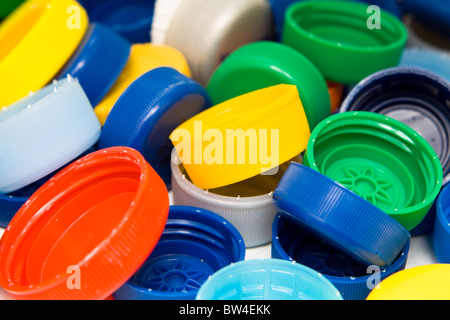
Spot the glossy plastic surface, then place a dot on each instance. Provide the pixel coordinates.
(426, 282)
(436, 62)
(194, 244)
(267, 279)
(143, 58)
(381, 159)
(37, 40)
(110, 208)
(353, 279)
(220, 27)
(273, 116)
(412, 95)
(344, 31)
(43, 132)
(149, 110)
(441, 231)
(130, 18)
(339, 216)
(262, 64)
(98, 61)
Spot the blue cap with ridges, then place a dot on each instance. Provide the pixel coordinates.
(441, 232)
(353, 279)
(149, 110)
(98, 61)
(339, 216)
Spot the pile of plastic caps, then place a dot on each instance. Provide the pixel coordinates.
(146, 145)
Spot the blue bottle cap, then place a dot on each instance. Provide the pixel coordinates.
(98, 61)
(194, 244)
(149, 110)
(339, 216)
(441, 232)
(353, 279)
(414, 96)
(130, 18)
(267, 279)
(433, 13)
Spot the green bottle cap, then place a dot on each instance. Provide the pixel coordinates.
(347, 41)
(8, 6)
(263, 64)
(381, 159)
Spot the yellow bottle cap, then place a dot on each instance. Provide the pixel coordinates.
(427, 282)
(36, 40)
(143, 58)
(242, 137)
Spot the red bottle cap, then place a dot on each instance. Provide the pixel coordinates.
(87, 230)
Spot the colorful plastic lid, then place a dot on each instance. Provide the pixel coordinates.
(11, 203)
(414, 96)
(36, 40)
(111, 199)
(143, 58)
(441, 231)
(262, 64)
(381, 159)
(426, 282)
(242, 130)
(431, 60)
(422, 36)
(6, 7)
(130, 18)
(353, 279)
(339, 216)
(343, 30)
(194, 244)
(149, 110)
(98, 61)
(43, 132)
(267, 279)
(221, 26)
(433, 13)
(279, 8)
(247, 204)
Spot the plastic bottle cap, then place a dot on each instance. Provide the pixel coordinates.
(36, 41)
(98, 61)
(381, 159)
(339, 216)
(270, 119)
(248, 204)
(336, 91)
(44, 131)
(422, 37)
(342, 30)
(113, 201)
(130, 18)
(220, 27)
(441, 231)
(194, 244)
(431, 60)
(267, 279)
(143, 58)
(262, 64)
(353, 279)
(427, 282)
(433, 13)
(279, 8)
(149, 110)
(6, 7)
(414, 96)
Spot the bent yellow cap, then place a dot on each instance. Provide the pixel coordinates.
(143, 58)
(242, 137)
(36, 41)
(427, 282)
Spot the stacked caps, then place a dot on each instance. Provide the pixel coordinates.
(175, 136)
